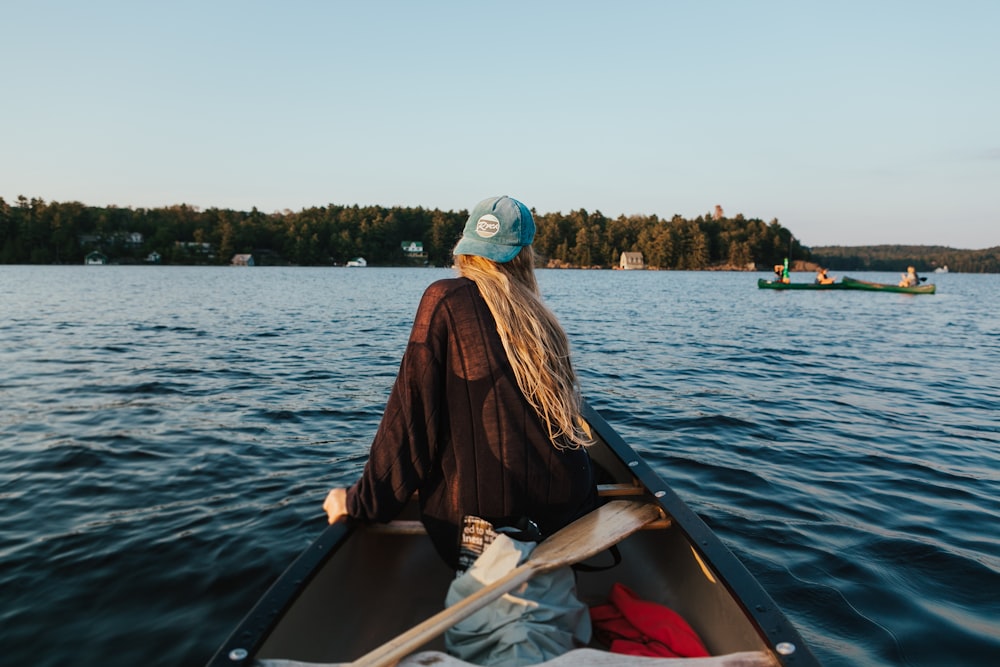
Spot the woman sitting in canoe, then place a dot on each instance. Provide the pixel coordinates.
(484, 422)
(822, 279)
(910, 278)
(484, 417)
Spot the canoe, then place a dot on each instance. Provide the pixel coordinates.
(768, 284)
(359, 586)
(848, 284)
(851, 283)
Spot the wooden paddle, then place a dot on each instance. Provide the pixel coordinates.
(585, 537)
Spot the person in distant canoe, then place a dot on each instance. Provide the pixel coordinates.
(781, 274)
(484, 419)
(910, 278)
(822, 278)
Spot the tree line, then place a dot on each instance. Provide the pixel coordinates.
(38, 232)
(894, 257)
(33, 231)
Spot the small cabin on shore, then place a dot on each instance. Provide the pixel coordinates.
(631, 261)
(95, 258)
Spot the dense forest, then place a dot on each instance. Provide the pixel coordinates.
(38, 232)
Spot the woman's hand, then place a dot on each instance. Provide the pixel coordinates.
(335, 504)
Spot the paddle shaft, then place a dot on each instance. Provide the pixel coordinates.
(585, 537)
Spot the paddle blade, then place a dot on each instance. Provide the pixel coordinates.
(591, 534)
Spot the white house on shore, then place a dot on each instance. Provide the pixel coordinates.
(631, 260)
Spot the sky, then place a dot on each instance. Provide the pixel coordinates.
(849, 122)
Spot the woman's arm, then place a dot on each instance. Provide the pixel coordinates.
(336, 504)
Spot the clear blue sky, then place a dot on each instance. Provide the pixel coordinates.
(852, 123)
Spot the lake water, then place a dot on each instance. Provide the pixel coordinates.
(169, 434)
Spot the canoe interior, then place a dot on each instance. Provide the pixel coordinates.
(357, 587)
(376, 586)
(351, 608)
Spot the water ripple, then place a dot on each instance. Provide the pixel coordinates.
(170, 433)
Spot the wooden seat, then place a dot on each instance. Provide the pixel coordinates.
(414, 527)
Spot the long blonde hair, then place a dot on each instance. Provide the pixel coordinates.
(535, 342)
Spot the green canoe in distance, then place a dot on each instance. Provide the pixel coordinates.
(848, 283)
(851, 283)
(767, 284)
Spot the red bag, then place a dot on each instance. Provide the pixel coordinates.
(629, 625)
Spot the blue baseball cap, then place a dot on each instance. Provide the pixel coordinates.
(497, 229)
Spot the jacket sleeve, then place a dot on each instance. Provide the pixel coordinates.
(402, 452)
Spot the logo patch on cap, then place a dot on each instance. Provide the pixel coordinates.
(488, 226)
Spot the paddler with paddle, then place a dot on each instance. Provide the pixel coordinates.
(781, 273)
(484, 419)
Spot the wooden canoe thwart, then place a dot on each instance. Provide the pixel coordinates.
(374, 595)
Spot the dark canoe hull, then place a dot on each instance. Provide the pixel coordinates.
(851, 283)
(767, 284)
(358, 586)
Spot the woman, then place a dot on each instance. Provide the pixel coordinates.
(822, 278)
(910, 278)
(484, 417)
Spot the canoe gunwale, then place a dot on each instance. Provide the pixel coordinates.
(255, 627)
